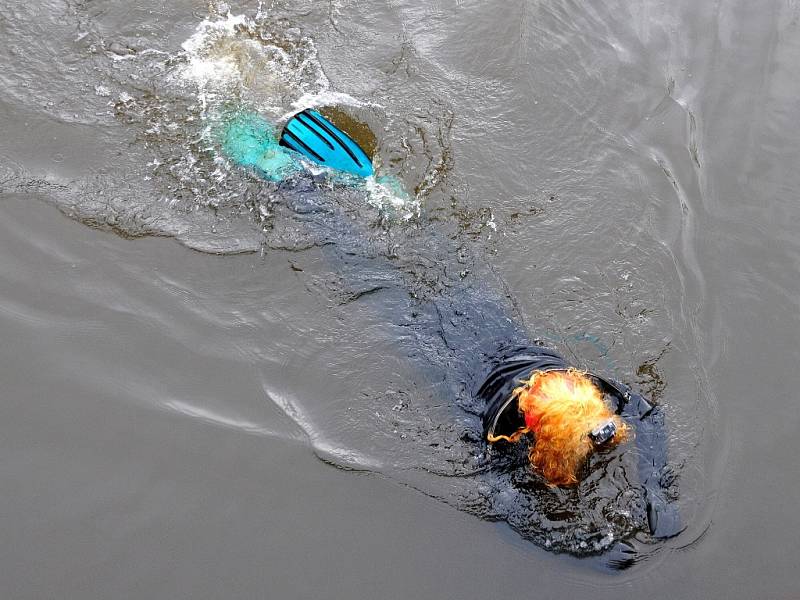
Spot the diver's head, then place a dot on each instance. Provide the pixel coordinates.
(569, 419)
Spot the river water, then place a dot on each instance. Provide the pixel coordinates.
(219, 386)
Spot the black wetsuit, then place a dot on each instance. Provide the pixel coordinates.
(462, 332)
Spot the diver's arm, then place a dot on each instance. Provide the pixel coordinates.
(651, 441)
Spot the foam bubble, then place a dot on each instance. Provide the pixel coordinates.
(238, 58)
(387, 194)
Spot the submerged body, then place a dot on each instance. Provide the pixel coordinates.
(460, 332)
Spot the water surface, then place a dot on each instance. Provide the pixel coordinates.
(622, 179)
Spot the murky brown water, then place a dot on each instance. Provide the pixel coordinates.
(622, 182)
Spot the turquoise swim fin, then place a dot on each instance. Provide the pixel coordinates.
(320, 141)
(249, 140)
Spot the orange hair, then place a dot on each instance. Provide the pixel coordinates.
(561, 408)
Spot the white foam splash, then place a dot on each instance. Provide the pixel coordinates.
(235, 57)
(328, 98)
(391, 198)
(205, 70)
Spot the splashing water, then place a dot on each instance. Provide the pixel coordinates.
(159, 104)
(238, 59)
(241, 71)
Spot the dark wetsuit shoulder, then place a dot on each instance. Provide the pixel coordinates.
(499, 416)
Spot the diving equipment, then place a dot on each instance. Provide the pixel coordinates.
(319, 140)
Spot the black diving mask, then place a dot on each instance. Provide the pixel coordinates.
(603, 433)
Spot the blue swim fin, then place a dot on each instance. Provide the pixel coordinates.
(319, 140)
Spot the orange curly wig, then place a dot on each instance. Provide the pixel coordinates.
(560, 409)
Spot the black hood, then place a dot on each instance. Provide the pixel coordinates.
(501, 416)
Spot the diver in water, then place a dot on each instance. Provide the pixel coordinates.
(567, 415)
(570, 414)
(530, 393)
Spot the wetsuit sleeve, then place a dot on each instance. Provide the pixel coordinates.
(655, 473)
